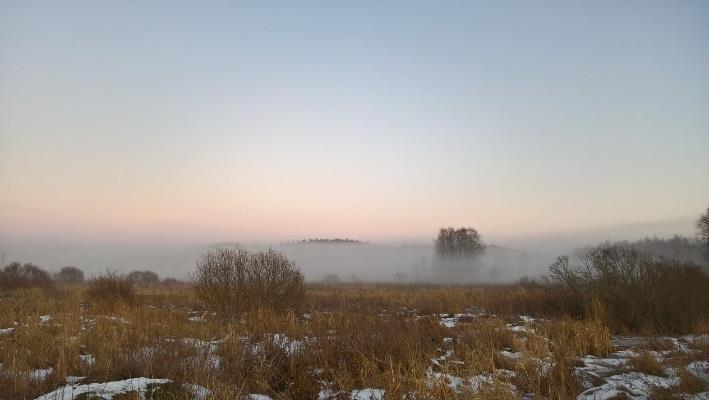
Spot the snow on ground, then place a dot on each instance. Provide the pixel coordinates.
(367, 394)
(41, 374)
(634, 385)
(209, 347)
(610, 377)
(511, 354)
(451, 320)
(596, 368)
(198, 392)
(87, 360)
(197, 316)
(356, 394)
(104, 391)
(474, 383)
(602, 377)
(290, 346)
(73, 380)
(700, 369)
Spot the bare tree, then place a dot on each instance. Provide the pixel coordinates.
(458, 243)
(16, 275)
(458, 254)
(703, 231)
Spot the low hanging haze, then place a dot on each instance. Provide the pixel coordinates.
(208, 121)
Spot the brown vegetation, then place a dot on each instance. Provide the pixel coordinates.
(69, 275)
(630, 291)
(144, 278)
(231, 281)
(111, 290)
(16, 275)
(283, 354)
(342, 337)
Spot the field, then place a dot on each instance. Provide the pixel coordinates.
(347, 341)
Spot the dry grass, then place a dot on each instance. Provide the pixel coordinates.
(647, 364)
(344, 337)
(111, 291)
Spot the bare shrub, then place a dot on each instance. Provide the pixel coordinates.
(18, 276)
(172, 282)
(232, 281)
(111, 289)
(331, 278)
(70, 275)
(631, 291)
(703, 233)
(145, 278)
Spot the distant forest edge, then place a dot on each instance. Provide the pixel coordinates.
(324, 240)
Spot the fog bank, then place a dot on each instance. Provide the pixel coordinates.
(515, 257)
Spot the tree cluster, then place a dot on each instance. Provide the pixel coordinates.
(327, 240)
(458, 243)
(16, 275)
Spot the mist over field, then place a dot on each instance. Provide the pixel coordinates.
(354, 200)
(506, 259)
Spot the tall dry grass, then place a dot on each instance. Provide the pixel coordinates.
(343, 337)
(111, 291)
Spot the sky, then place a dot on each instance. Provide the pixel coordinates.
(170, 120)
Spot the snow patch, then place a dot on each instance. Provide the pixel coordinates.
(87, 360)
(700, 369)
(634, 385)
(356, 394)
(106, 390)
(198, 392)
(41, 374)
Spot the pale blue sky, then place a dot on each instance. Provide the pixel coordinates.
(367, 119)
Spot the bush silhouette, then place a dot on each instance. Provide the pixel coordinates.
(231, 281)
(18, 276)
(111, 289)
(631, 291)
(145, 278)
(70, 274)
(331, 278)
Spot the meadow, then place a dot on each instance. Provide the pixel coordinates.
(344, 341)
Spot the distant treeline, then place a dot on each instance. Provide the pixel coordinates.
(681, 248)
(325, 240)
